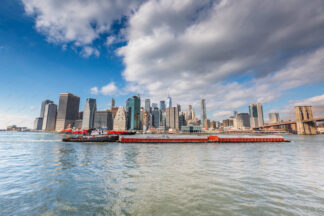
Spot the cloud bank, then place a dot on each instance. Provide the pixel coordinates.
(230, 52)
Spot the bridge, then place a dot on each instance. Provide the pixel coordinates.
(305, 123)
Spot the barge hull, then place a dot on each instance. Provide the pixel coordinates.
(209, 139)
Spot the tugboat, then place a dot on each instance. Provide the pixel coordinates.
(92, 135)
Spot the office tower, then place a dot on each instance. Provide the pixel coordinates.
(234, 113)
(68, 111)
(228, 123)
(189, 113)
(156, 117)
(120, 120)
(274, 117)
(154, 105)
(241, 121)
(103, 120)
(182, 121)
(114, 111)
(213, 124)
(141, 118)
(162, 119)
(168, 102)
(162, 106)
(179, 107)
(43, 107)
(146, 120)
(112, 103)
(38, 123)
(133, 113)
(50, 113)
(193, 114)
(207, 123)
(147, 107)
(172, 118)
(88, 113)
(189, 108)
(256, 115)
(203, 112)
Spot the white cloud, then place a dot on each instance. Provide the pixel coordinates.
(88, 51)
(75, 21)
(110, 40)
(94, 90)
(317, 101)
(108, 89)
(195, 48)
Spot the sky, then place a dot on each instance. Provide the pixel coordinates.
(232, 53)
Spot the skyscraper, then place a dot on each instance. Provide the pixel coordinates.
(156, 117)
(134, 112)
(147, 107)
(43, 107)
(162, 106)
(50, 113)
(172, 118)
(38, 123)
(88, 113)
(241, 121)
(274, 117)
(154, 105)
(203, 112)
(68, 111)
(256, 115)
(103, 119)
(112, 103)
(234, 114)
(179, 107)
(120, 120)
(168, 102)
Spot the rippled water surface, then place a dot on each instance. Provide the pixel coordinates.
(40, 175)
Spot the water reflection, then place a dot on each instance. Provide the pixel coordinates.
(41, 175)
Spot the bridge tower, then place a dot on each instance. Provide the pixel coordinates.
(304, 120)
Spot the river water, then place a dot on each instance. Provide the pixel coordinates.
(40, 175)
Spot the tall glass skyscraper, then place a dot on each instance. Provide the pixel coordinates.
(168, 102)
(203, 112)
(162, 106)
(49, 117)
(134, 112)
(147, 107)
(43, 107)
(68, 111)
(88, 113)
(256, 115)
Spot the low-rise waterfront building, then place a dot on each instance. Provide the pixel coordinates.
(191, 129)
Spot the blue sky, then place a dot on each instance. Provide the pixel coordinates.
(266, 53)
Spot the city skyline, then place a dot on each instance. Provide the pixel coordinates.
(100, 56)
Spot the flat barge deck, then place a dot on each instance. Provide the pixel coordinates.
(198, 139)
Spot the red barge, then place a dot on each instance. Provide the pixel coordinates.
(199, 139)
